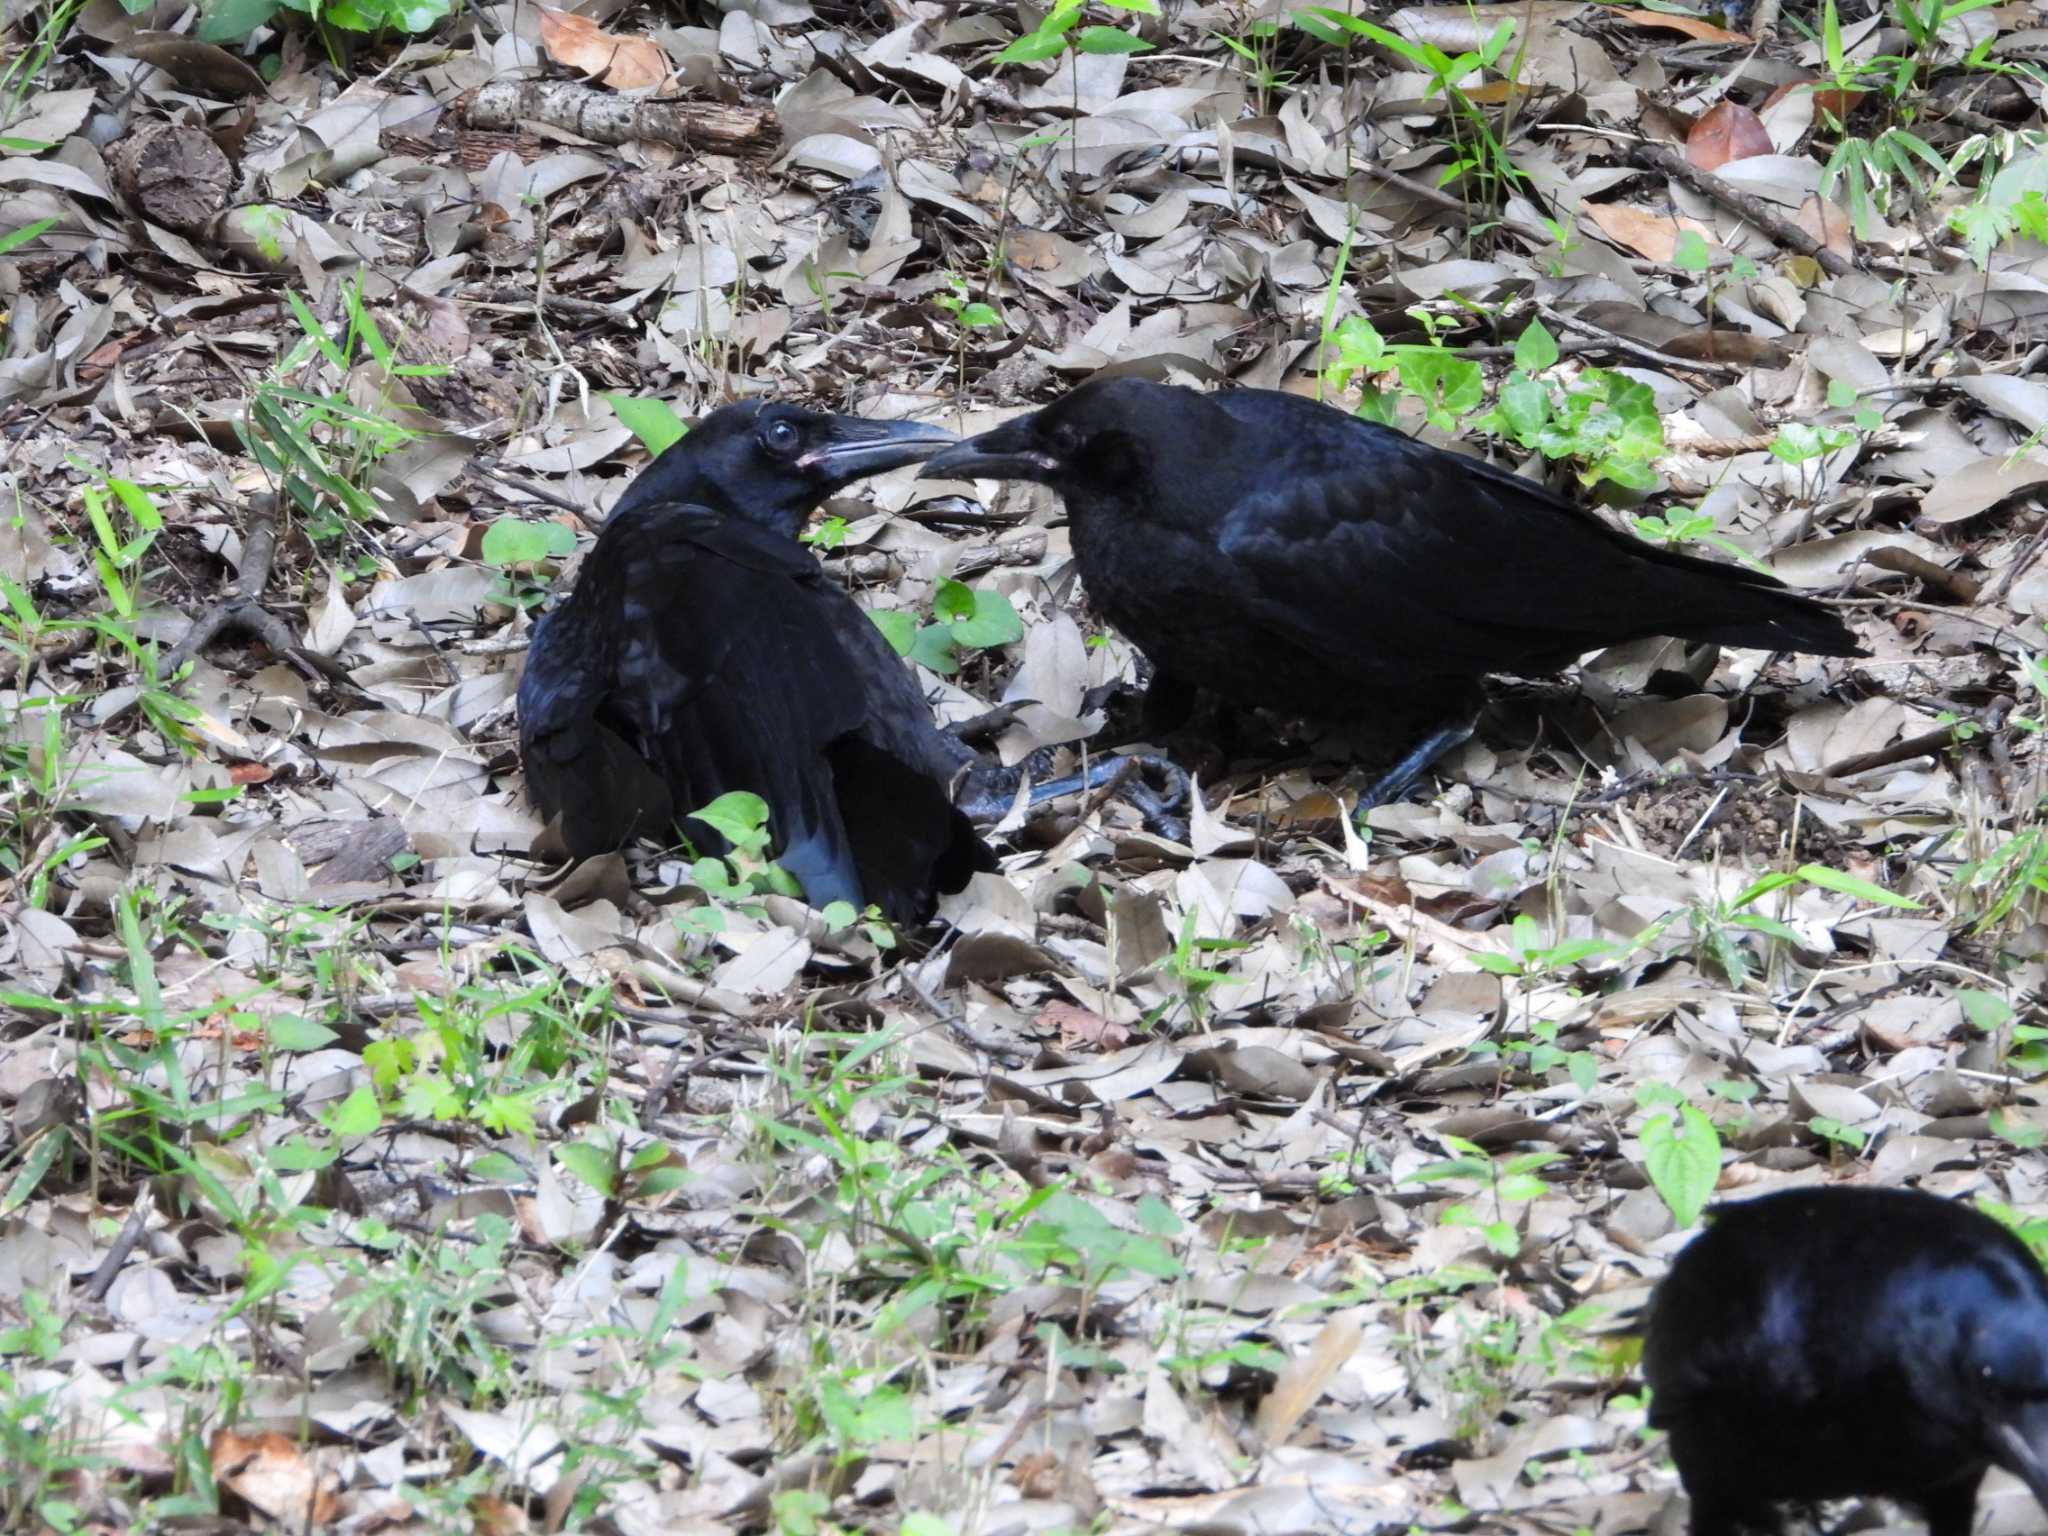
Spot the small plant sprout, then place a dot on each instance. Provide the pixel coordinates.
(963, 618)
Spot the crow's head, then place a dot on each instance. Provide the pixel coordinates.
(1998, 1358)
(772, 463)
(1110, 434)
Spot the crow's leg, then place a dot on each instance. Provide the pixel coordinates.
(989, 790)
(1164, 808)
(1392, 784)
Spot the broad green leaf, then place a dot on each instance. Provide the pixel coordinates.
(1985, 1010)
(1834, 880)
(1109, 40)
(933, 650)
(590, 1163)
(1524, 407)
(290, 1032)
(897, 627)
(654, 422)
(229, 21)
(1535, 348)
(513, 541)
(738, 816)
(356, 1115)
(1682, 1155)
(977, 616)
(418, 16)
(1691, 253)
(1032, 47)
(299, 1154)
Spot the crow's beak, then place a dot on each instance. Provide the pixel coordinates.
(2020, 1445)
(858, 447)
(1008, 452)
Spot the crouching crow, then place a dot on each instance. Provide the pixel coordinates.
(1284, 553)
(1828, 1343)
(705, 650)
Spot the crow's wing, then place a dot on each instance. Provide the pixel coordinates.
(1351, 533)
(722, 658)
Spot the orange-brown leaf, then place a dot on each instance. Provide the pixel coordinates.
(1827, 223)
(1691, 26)
(623, 63)
(1646, 231)
(1730, 132)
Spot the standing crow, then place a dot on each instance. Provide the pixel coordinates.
(1828, 1343)
(1284, 553)
(705, 650)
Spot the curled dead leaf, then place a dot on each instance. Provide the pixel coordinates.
(275, 1475)
(1828, 223)
(1646, 231)
(623, 63)
(1730, 132)
(1691, 26)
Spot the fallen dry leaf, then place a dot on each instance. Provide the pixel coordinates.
(623, 63)
(1646, 231)
(1729, 132)
(1691, 26)
(273, 1473)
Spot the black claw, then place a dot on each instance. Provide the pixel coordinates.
(1395, 782)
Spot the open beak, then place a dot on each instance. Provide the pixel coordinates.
(860, 447)
(1007, 452)
(2020, 1445)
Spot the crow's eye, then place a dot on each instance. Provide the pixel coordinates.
(780, 436)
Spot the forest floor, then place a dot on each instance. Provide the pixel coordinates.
(360, 1172)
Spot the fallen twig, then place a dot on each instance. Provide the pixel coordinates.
(1637, 349)
(242, 610)
(1746, 206)
(604, 117)
(1962, 587)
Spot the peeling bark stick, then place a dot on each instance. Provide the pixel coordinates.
(240, 609)
(604, 117)
(1750, 209)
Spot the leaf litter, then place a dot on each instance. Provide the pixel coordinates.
(368, 1171)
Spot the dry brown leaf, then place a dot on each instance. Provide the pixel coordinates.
(1646, 231)
(1083, 1026)
(275, 1475)
(1839, 103)
(623, 63)
(1301, 1383)
(1828, 223)
(1730, 132)
(1691, 26)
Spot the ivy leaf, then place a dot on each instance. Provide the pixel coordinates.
(515, 541)
(738, 816)
(588, 1162)
(1535, 349)
(654, 422)
(933, 650)
(1110, 40)
(1032, 47)
(897, 627)
(1682, 1155)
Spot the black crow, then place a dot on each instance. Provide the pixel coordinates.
(705, 650)
(1829, 1343)
(1284, 553)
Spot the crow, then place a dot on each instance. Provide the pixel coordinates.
(1283, 553)
(1830, 1343)
(704, 650)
